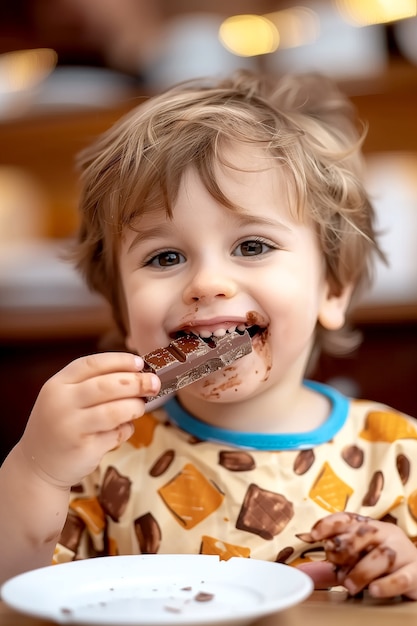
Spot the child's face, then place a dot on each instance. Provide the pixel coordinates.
(210, 269)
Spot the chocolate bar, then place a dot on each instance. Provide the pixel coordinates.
(188, 358)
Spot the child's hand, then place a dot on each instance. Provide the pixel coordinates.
(84, 411)
(364, 552)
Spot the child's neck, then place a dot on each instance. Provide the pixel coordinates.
(276, 410)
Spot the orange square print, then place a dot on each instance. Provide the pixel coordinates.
(190, 496)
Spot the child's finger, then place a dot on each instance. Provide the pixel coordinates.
(401, 582)
(114, 438)
(373, 565)
(348, 548)
(322, 572)
(336, 524)
(92, 365)
(110, 416)
(83, 461)
(116, 386)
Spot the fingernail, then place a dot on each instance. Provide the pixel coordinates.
(375, 590)
(306, 537)
(139, 362)
(154, 383)
(350, 586)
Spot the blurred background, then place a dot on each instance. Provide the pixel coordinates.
(70, 68)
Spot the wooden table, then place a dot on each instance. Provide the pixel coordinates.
(321, 609)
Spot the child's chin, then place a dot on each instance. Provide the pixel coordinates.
(220, 393)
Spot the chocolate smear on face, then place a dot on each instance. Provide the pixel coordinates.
(260, 339)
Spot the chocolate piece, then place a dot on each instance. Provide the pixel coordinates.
(148, 533)
(403, 467)
(78, 488)
(188, 358)
(114, 493)
(390, 519)
(72, 531)
(353, 456)
(264, 513)
(303, 461)
(236, 460)
(172, 609)
(374, 491)
(204, 596)
(162, 463)
(284, 554)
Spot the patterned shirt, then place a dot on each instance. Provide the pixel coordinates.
(180, 486)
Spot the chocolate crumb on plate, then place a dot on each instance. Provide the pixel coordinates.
(172, 609)
(66, 611)
(203, 596)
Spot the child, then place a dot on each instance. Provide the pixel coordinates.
(215, 206)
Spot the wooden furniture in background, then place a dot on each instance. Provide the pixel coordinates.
(35, 342)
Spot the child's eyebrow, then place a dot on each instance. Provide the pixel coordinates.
(245, 219)
(153, 232)
(242, 219)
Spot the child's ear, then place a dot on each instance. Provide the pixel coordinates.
(332, 313)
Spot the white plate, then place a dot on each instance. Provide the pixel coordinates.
(157, 590)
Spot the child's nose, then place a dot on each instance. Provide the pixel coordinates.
(207, 284)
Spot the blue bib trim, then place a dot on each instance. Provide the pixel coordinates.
(267, 441)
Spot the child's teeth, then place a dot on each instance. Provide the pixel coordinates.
(205, 334)
(219, 332)
(241, 327)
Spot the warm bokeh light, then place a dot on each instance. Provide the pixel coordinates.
(367, 12)
(23, 206)
(24, 69)
(249, 35)
(297, 26)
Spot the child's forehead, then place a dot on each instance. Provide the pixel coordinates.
(246, 156)
(248, 184)
(243, 166)
(243, 149)
(241, 172)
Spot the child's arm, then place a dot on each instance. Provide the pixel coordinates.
(363, 552)
(81, 413)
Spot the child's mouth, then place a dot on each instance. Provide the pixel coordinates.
(207, 334)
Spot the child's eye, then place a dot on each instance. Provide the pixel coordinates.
(168, 258)
(252, 247)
